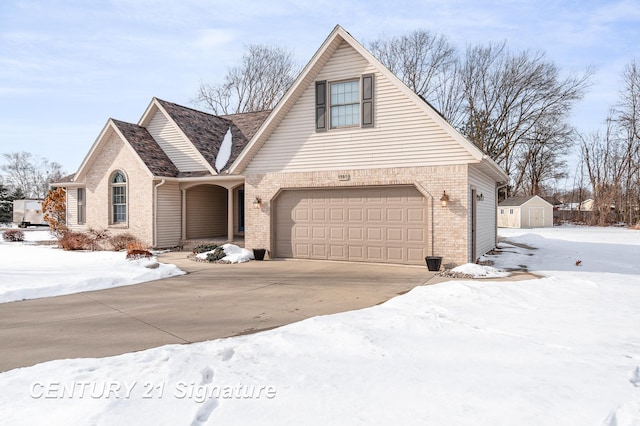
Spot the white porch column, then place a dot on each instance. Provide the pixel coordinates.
(230, 214)
(184, 214)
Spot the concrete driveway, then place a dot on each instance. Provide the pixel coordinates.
(211, 301)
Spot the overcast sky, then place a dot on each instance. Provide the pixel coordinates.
(66, 66)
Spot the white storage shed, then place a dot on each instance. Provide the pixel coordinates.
(525, 212)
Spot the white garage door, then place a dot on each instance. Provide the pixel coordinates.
(385, 224)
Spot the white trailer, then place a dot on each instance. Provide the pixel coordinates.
(27, 213)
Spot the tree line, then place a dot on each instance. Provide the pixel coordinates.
(513, 105)
(24, 176)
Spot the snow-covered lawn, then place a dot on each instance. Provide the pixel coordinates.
(29, 271)
(561, 350)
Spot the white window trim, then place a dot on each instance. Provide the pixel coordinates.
(358, 82)
(112, 205)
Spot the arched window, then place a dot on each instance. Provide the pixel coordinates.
(118, 197)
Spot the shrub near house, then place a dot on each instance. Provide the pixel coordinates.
(13, 235)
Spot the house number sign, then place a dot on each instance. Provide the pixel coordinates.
(344, 176)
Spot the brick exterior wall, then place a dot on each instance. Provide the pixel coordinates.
(451, 225)
(114, 155)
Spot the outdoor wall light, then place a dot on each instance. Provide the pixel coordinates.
(444, 200)
(257, 203)
(480, 197)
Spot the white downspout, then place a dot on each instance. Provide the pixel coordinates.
(424, 190)
(155, 212)
(184, 215)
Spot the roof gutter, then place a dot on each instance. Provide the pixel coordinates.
(212, 178)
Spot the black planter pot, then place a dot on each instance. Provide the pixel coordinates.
(433, 262)
(258, 254)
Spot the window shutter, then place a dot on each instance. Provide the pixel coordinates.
(321, 106)
(367, 100)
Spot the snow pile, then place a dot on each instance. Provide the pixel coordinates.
(233, 254)
(473, 270)
(224, 154)
(31, 272)
(564, 349)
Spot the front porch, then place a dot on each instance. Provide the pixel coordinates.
(212, 212)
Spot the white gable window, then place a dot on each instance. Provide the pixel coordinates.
(118, 187)
(345, 104)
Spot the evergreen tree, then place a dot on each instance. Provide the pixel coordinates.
(6, 205)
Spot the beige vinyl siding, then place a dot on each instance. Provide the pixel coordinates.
(403, 133)
(485, 210)
(72, 210)
(169, 215)
(506, 219)
(172, 141)
(206, 212)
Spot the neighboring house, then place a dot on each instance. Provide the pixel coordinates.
(350, 165)
(525, 212)
(586, 205)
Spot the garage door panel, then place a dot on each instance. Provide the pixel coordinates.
(395, 235)
(394, 254)
(384, 224)
(301, 232)
(301, 250)
(319, 215)
(415, 215)
(375, 234)
(336, 233)
(416, 235)
(375, 253)
(355, 234)
(336, 215)
(301, 215)
(415, 255)
(355, 215)
(395, 214)
(337, 252)
(319, 251)
(319, 233)
(375, 214)
(356, 253)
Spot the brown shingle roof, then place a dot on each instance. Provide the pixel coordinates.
(65, 179)
(206, 131)
(148, 149)
(516, 201)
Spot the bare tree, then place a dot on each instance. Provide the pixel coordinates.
(30, 174)
(257, 84)
(422, 60)
(604, 159)
(501, 101)
(428, 64)
(540, 160)
(626, 115)
(509, 98)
